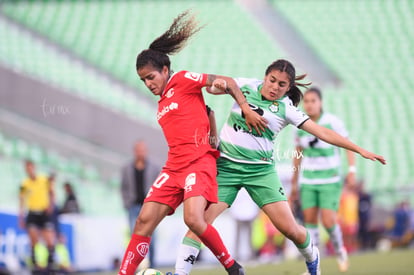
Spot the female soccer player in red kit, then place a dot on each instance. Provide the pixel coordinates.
(189, 175)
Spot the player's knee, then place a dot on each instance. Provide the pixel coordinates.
(194, 223)
(328, 222)
(141, 221)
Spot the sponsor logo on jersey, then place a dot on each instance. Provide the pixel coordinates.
(190, 180)
(240, 128)
(193, 76)
(142, 249)
(169, 93)
(255, 108)
(166, 109)
(274, 107)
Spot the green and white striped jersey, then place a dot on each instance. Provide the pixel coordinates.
(238, 144)
(321, 162)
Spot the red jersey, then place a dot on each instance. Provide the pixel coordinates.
(183, 118)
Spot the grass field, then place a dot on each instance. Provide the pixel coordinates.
(390, 263)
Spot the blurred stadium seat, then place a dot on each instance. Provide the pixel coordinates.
(33, 57)
(368, 44)
(109, 34)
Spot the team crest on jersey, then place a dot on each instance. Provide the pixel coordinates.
(193, 76)
(274, 107)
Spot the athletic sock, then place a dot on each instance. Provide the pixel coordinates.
(212, 240)
(187, 255)
(134, 254)
(314, 233)
(335, 234)
(307, 250)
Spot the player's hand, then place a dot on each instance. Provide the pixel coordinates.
(218, 87)
(350, 179)
(220, 84)
(368, 155)
(294, 193)
(255, 121)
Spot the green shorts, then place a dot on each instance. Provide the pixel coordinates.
(260, 181)
(324, 196)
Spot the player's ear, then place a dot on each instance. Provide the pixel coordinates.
(165, 70)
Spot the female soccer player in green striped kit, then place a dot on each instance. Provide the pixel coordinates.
(246, 158)
(319, 174)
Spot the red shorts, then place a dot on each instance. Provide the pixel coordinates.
(198, 179)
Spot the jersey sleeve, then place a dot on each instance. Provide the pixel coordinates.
(193, 82)
(295, 116)
(339, 127)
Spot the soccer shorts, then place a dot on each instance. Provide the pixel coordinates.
(198, 179)
(324, 196)
(260, 181)
(39, 219)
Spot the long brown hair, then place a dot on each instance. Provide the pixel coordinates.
(170, 42)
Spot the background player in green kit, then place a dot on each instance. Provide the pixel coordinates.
(246, 158)
(320, 178)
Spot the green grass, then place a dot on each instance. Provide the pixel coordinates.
(391, 263)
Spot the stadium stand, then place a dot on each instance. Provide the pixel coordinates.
(375, 74)
(31, 56)
(108, 35)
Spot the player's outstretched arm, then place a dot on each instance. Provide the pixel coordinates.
(333, 138)
(294, 192)
(226, 85)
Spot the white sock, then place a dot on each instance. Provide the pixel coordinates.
(335, 233)
(187, 255)
(307, 249)
(314, 233)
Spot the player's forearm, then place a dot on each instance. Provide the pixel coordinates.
(236, 93)
(51, 198)
(21, 206)
(351, 158)
(338, 140)
(295, 168)
(330, 136)
(213, 129)
(229, 87)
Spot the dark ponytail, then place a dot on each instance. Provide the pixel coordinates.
(294, 93)
(170, 42)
